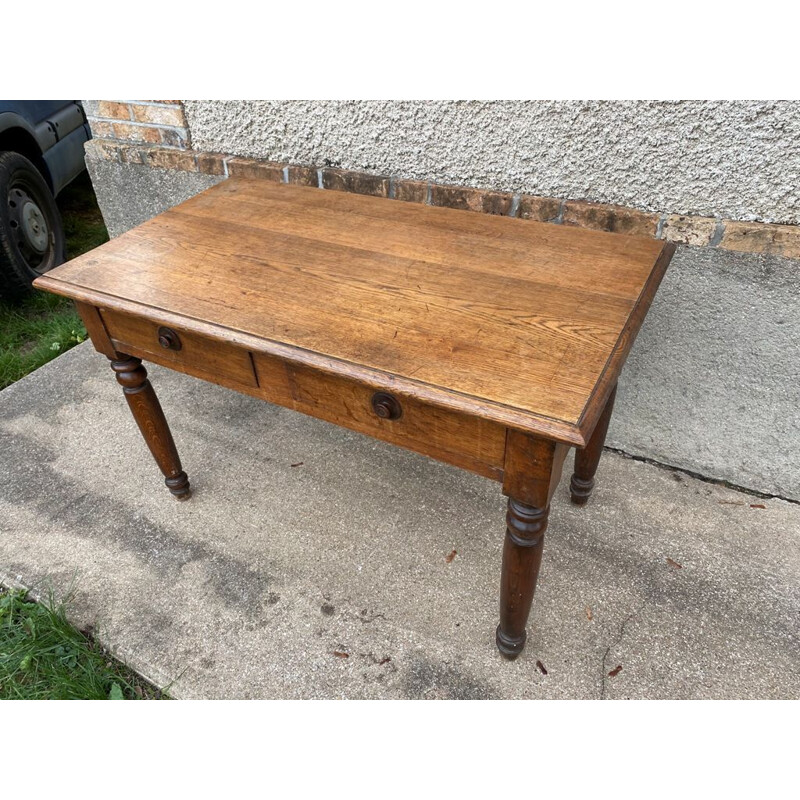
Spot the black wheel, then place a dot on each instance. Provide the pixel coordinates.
(31, 236)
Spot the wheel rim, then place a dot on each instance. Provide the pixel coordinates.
(29, 227)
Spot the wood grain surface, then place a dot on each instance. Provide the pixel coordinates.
(522, 323)
(462, 440)
(198, 354)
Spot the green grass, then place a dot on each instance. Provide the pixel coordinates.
(40, 327)
(34, 332)
(42, 657)
(84, 228)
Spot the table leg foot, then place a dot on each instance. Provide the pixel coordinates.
(179, 486)
(587, 458)
(580, 489)
(509, 648)
(149, 416)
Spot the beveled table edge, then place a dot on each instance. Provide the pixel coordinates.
(527, 421)
(616, 360)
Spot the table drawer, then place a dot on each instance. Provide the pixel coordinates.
(468, 442)
(210, 359)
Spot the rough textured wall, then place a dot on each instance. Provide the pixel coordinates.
(739, 160)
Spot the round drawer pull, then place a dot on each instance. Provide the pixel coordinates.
(386, 406)
(168, 339)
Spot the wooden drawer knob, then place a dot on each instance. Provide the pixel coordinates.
(386, 406)
(168, 339)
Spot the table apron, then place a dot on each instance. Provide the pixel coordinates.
(465, 441)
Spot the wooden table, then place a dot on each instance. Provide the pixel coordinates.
(490, 343)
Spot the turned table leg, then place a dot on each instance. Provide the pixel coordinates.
(522, 557)
(532, 471)
(588, 458)
(149, 416)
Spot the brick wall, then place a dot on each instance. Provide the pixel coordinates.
(152, 122)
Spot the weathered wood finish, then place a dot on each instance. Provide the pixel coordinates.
(96, 329)
(491, 343)
(587, 458)
(198, 355)
(468, 442)
(516, 321)
(616, 361)
(149, 416)
(533, 469)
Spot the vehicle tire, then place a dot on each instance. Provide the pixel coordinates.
(31, 234)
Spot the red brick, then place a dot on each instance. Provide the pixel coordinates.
(341, 180)
(174, 138)
(462, 197)
(170, 159)
(250, 168)
(498, 203)
(411, 191)
(540, 209)
(682, 229)
(760, 237)
(469, 199)
(616, 219)
(159, 115)
(101, 130)
(131, 154)
(304, 176)
(112, 109)
(137, 133)
(102, 148)
(211, 163)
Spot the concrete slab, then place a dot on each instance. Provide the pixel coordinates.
(304, 540)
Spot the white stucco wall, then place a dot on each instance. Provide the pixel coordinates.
(737, 160)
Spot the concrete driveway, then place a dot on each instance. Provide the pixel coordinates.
(312, 561)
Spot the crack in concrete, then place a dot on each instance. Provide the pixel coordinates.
(700, 477)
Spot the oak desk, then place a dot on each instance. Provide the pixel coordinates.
(490, 343)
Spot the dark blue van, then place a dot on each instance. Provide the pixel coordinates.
(41, 151)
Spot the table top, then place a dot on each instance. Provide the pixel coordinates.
(526, 323)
